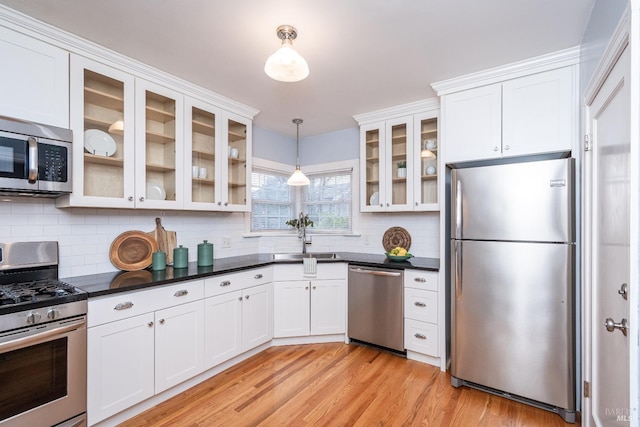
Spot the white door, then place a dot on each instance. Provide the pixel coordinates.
(291, 308)
(607, 257)
(223, 328)
(257, 316)
(328, 307)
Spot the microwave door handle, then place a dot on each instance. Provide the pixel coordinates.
(33, 160)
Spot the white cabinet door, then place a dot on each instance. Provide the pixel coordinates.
(291, 309)
(257, 316)
(120, 361)
(538, 113)
(328, 307)
(372, 169)
(472, 128)
(34, 80)
(234, 164)
(399, 165)
(223, 328)
(179, 337)
(159, 149)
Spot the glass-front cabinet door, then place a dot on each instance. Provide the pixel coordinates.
(159, 147)
(201, 139)
(372, 147)
(398, 165)
(102, 120)
(426, 162)
(236, 194)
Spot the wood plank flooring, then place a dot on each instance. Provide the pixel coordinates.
(337, 385)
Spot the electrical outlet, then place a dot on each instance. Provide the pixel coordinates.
(226, 242)
(365, 239)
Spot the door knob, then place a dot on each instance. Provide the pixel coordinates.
(623, 290)
(611, 325)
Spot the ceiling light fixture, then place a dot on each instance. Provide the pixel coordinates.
(285, 64)
(298, 178)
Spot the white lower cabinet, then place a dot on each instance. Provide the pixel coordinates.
(421, 331)
(141, 343)
(311, 306)
(238, 314)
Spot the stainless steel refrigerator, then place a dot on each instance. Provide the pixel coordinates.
(512, 282)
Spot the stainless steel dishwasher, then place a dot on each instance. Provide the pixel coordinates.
(376, 306)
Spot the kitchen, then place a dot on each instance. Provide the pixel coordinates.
(86, 233)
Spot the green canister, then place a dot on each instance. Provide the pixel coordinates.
(158, 261)
(180, 257)
(205, 254)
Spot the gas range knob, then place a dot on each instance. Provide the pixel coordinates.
(33, 318)
(53, 314)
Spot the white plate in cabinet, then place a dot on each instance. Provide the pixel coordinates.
(421, 337)
(421, 305)
(421, 279)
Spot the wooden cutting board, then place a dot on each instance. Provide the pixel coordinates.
(166, 240)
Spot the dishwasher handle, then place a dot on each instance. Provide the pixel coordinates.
(375, 272)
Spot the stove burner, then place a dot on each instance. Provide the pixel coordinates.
(34, 291)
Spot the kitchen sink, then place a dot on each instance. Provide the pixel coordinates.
(299, 256)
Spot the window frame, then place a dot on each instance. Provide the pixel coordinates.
(322, 168)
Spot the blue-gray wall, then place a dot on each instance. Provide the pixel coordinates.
(324, 148)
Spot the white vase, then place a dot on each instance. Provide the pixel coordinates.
(402, 172)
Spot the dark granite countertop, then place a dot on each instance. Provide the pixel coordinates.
(122, 281)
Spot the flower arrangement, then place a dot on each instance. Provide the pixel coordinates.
(302, 220)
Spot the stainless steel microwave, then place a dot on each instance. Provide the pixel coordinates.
(35, 159)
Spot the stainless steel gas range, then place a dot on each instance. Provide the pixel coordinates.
(43, 340)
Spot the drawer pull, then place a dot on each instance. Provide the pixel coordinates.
(419, 279)
(225, 283)
(181, 293)
(419, 304)
(258, 276)
(420, 336)
(123, 305)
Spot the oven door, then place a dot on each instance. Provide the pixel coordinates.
(43, 371)
(14, 152)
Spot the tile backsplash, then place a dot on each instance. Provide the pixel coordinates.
(85, 234)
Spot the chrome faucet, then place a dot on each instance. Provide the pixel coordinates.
(302, 231)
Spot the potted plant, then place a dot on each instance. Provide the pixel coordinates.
(300, 223)
(402, 169)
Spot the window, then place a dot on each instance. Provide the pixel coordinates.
(271, 201)
(327, 200)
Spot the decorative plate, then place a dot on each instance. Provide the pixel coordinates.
(396, 236)
(99, 143)
(132, 250)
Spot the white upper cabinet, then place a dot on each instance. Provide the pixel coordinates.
(159, 171)
(102, 120)
(34, 80)
(397, 170)
(534, 114)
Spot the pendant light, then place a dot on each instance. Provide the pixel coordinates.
(285, 64)
(298, 178)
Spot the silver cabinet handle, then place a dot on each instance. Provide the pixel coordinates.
(612, 326)
(313, 287)
(141, 199)
(181, 293)
(506, 147)
(420, 336)
(123, 305)
(246, 297)
(33, 160)
(162, 321)
(495, 148)
(420, 279)
(225, 283)
(239, 298)
(419, 304)
(219, 203)
(130, 198)
(624, 289)
(375, 272)
(150, 324)
(258, 276)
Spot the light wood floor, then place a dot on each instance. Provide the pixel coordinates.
(337, 385)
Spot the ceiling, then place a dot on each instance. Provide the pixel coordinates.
(363, 55)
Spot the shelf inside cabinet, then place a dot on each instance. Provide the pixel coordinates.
(159, 137)
(373, 181)
(431, 177)
(159, 115)
(155, 167)
(373, 142)
(399, 137)
(197, 154)
(237, 184)
(203, 181)
(235, 161)
(203, 127)
(399, 180)
(236, 136)
(103, 99)
(103, 160)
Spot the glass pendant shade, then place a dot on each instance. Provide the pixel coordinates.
(298, 178)
(285, 64)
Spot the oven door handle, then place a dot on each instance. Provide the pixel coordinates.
(41, 337)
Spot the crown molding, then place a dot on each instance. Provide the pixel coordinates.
(47, 33)
(421, 106)
(559, 59)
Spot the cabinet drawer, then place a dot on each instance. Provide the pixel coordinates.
(325, 270)
(235, 281)
(421, 305)
(421, 279)
(421, 337)
(128, 304)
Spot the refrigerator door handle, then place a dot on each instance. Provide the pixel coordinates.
(458, 207)
(457, 256)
